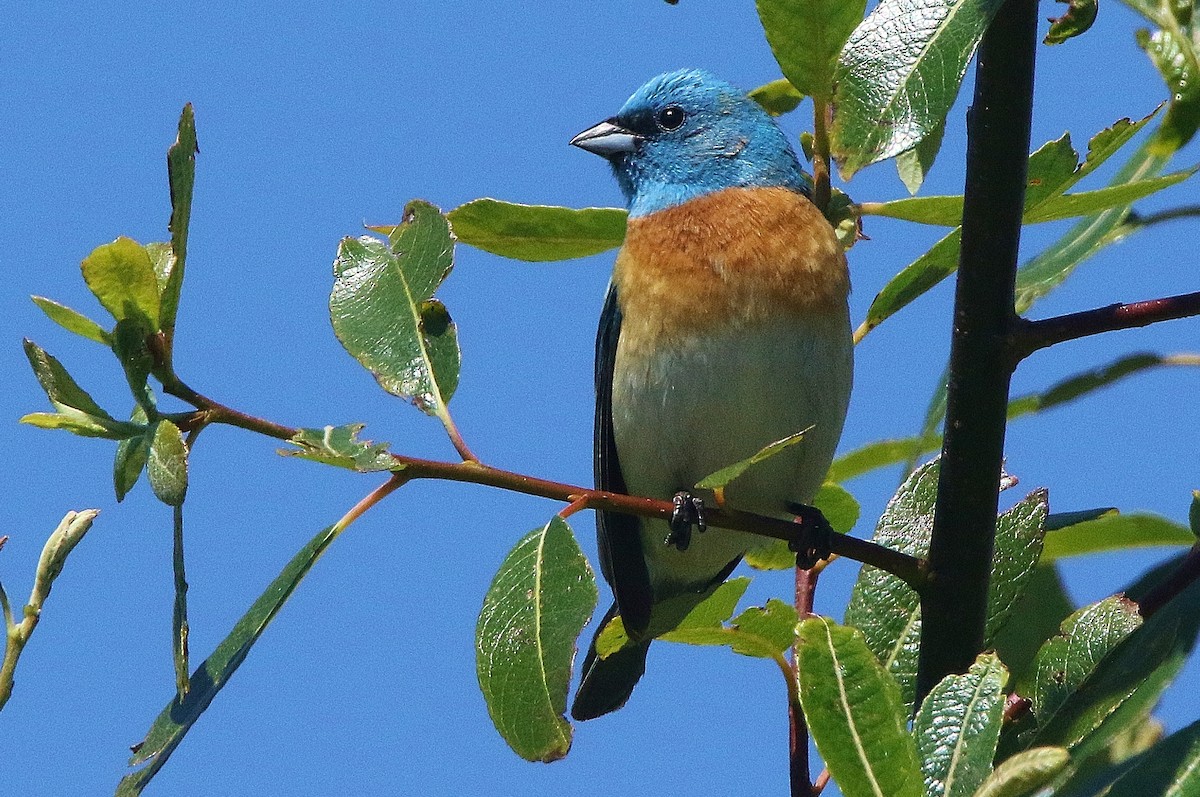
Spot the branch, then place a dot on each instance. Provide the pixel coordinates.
(954, 607)
(1180, 579)
(907, 568)
(1029, 336)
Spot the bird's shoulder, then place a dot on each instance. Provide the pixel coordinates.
(732, 256)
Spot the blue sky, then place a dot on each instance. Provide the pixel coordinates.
(313, 119)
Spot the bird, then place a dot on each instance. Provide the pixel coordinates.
(725, 327)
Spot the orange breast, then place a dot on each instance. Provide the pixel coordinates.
(732, 257)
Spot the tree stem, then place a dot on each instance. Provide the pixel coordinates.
(953, 607)
(1029, 336)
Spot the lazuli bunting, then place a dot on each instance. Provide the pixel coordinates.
(725, 328)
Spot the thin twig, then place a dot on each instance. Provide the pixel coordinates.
(1180, 579)
(1183, 212)
(1029, 336)
(801, 784)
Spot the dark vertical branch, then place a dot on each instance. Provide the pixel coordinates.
(954, 604)
(800, 777)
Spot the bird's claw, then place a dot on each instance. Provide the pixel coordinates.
(689, 511)
(812, 542)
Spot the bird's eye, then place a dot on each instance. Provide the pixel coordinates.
(670, 118)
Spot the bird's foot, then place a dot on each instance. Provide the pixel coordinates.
(689, 511)
(812, 540)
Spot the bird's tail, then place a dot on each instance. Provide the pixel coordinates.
(608, 683)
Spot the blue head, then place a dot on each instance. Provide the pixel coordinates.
(685, 134)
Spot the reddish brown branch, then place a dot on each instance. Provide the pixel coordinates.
(1029, 336)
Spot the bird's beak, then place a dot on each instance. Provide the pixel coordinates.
(607, 139)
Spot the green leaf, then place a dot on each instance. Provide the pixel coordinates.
(1069, 658)
(1051, 268)
(759, 632)
(1042, 607)
(1172, 769)
(1025, 773)
(382, 313)
(81, 424)
(1053, 169)
(1174, 56)
(129, 344)
(1077, 20)
(855, 713)
(340, 446)
(872, 456)
(537, 232)
(888, 611)
(1194, 513)
(777, 97)
(899, 74)
(837, 505)
(939, 262)
(167, 465)
(1115, 532)
(957, 727)
(72, 320)
(211, 676)
(61, 389)
(690, 613)
(947, 210)
(532, 614)
(914, 164)
(806, 37)
(121, 276)
(730, 472)
(181, 171)
(130, 460)
(1122, 685)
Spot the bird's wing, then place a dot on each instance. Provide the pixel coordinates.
(618, 536)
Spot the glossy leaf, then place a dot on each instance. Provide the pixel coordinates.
(806, 37)
(1171, 770)
(340, 446)
(777, 97)
(121, 276)
(541, 598)
(1042, 607)
(1174, 55)
(855, 713)
(1025, 773)
(899, 75)
(1115, 532)
(1123, 684)
(181, 171)
(888, 611)
(382, 310)
(211, 676)
(957, 727)
(72, 320)
(537, 232)
(1077, 20)
(730, 472)
(167, 465)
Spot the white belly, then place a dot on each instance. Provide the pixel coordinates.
(685, 412)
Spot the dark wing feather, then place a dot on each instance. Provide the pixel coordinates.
(618, 536)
